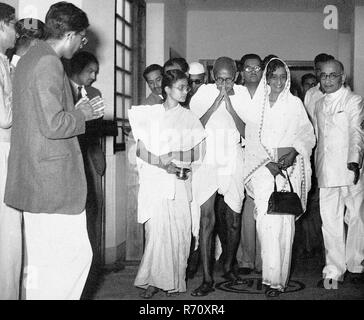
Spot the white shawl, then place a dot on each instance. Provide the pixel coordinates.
(284, 125)
(161, 131)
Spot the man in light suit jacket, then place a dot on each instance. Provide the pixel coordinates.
(46, 177)
(337, 119)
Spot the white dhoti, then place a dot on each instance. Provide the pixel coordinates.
(10, 237)
(58, 256)
(168, 240)
(342, 253)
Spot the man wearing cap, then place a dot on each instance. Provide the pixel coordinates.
(221, 171)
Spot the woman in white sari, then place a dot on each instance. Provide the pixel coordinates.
(278, 136)
(168, 137)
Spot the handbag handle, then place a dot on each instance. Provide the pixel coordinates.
(289, 181)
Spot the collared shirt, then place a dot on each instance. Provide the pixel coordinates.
(75, 87)
(153, 99)
(312, 96)
(14, 62)
(5, 99)
(337, 120)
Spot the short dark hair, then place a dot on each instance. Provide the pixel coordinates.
(273, 66)
(249, 56)
(29, 29)
(80, 61)
(63, 17)
(323, 57)
(151, 68)
(180, 61)
(7, 13)
(307, 76)
(170, 78)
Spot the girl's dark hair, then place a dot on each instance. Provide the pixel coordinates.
(273, 66)
(170, 78)
(64, 17)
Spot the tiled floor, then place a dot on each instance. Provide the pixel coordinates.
(118, 285)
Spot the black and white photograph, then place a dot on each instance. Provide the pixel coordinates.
(180, 156)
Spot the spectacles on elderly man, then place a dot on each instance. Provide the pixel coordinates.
(228, 81)
(331, 76)
(250, 68)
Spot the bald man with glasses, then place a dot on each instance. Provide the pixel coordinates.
(337, 119)
(221, 171)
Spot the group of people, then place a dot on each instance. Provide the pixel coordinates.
(235, 140)
(51, 159)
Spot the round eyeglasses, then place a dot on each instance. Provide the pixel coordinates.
(331, 76)
(250, 68)
(227, 81)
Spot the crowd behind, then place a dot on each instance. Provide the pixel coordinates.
(217, 151)
(261, 134)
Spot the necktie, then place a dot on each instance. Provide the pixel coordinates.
(79, 93)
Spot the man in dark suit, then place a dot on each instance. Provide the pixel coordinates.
(83, 70)
(46, 177)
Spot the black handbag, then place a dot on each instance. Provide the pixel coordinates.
(284, 202)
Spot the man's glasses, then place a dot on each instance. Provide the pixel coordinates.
(183, 88)
(331, 76)
(227, 81)
(197, 81)
(250, 68)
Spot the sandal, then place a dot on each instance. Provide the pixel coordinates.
(203, 290)
(232, 277)
(272, 293)
(149, 292)
(172, 294)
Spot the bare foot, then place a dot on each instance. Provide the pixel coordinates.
(149, 292)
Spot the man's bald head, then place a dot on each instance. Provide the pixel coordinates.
(337, 64)
(225, 63)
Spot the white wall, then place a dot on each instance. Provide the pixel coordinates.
(175, 27)
(290, 35)
(359, 50)
(155, 33)
(38, 8)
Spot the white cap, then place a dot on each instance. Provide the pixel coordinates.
(196, 68)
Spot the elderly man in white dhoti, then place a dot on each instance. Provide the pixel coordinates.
(169, 137)
(278, 122)
(222, 168)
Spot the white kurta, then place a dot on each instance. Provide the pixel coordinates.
(285, 124)
(222, 167)
(337, 120)
(163, 200)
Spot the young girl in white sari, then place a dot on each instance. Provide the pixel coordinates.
(277, 121)
(168, 137)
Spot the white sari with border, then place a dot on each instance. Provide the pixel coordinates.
(164, 202)
(285, 124)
